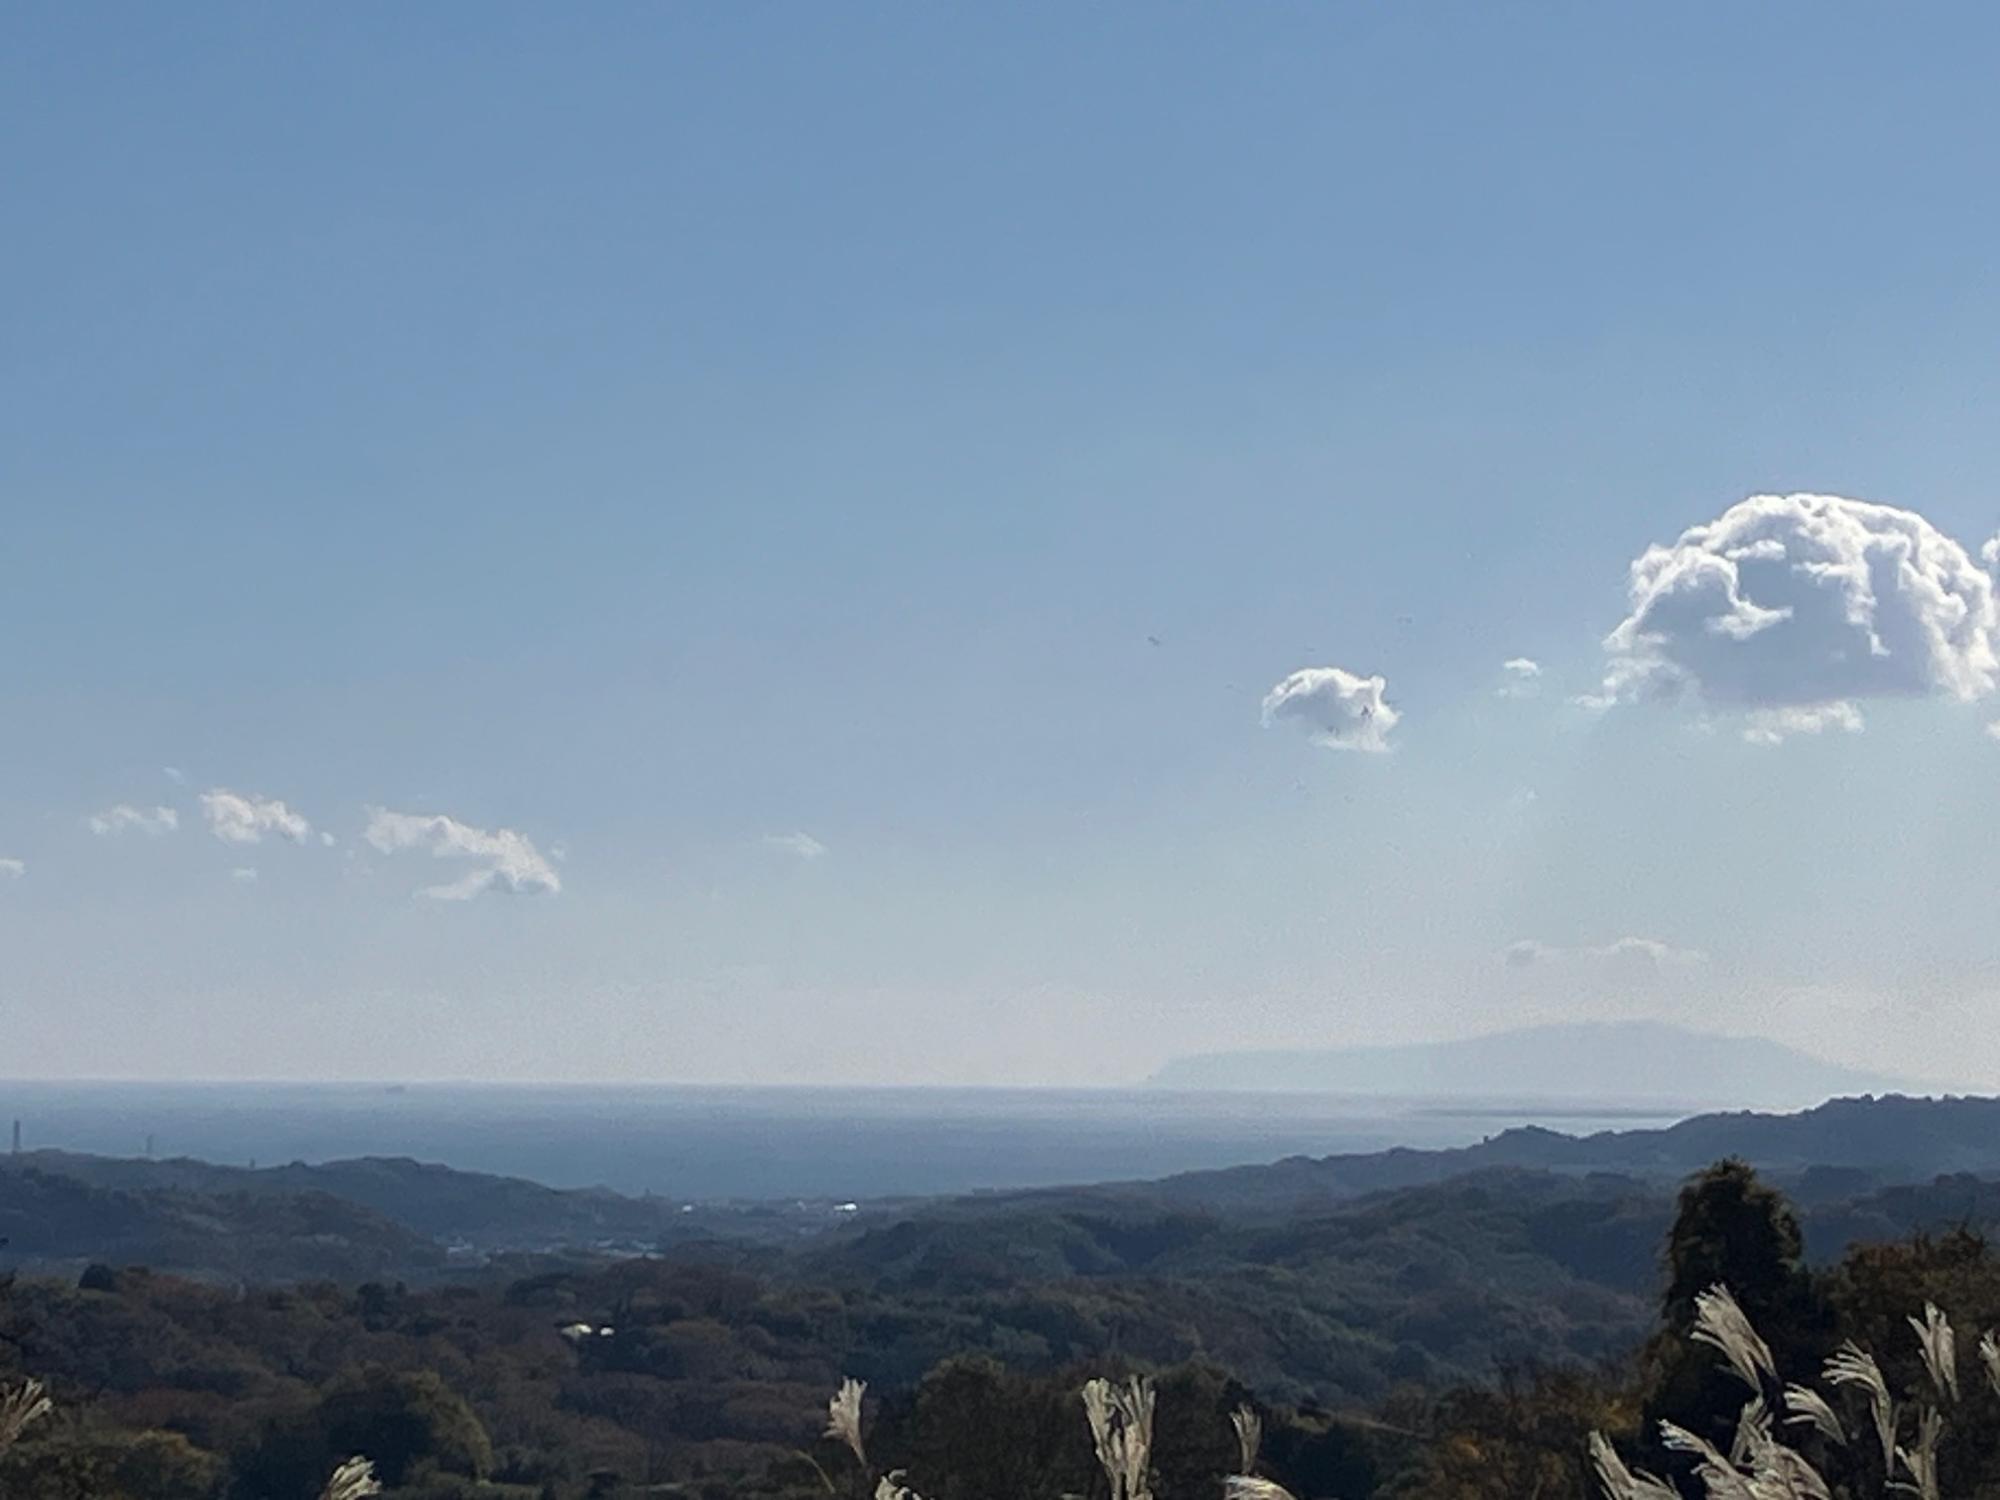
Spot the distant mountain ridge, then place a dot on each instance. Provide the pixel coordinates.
(1580, 1061)
(1859, 1143)
(392, 1217)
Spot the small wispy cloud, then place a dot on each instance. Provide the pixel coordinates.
(1520, 677)
(244, 875)
(13, 869)
(803, 845)
(1636, 951)
(1339, 709)
(1773, 726)
(124, 817)
(174, 774)
(240, 818)
(509, 862)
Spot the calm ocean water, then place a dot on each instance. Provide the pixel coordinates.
(758, 1143)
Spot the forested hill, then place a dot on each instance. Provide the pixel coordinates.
(344, 1220)
(443, 1203)
(1304, 1282)
(1836, 1149)
(373, 1217)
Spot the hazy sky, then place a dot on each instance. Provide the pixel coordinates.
(762, 534)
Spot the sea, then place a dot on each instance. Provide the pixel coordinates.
(716, 1144)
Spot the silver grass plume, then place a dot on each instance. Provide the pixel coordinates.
(1761, 1468)
(26, 1403)
(1616, 1480)
(1787, 1476)
(891, 1487)
(843, 1417)
(1719, 1322)
(1103, 1417)
(1989, 1356)
(1250, 1487)
(1121, 1428)
(1249, 1438)
(1920, 1459)
(1753, 1432)
(353, 1480)
(1807, 1405)
(1775, 1471)
(1850, 1364)
(1719, 1477)
(1940, 1350)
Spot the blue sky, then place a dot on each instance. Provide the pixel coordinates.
(664, 430)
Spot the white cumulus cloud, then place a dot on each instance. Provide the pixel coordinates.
(13, 869)
(239, 818)
(1641, 952)
(124, 817)
(1520, 677)
(507, 860)
(1805, 603)
(804, 845)
(1342, 711)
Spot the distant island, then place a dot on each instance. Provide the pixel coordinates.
(1599, 1061)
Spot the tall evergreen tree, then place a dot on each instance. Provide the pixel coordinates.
(1733, 1230)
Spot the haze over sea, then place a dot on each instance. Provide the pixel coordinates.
(707, 1143)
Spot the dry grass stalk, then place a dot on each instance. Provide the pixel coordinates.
(1939, 1347)
(1789, 1477)
(1853, 1365)
(1777, 1472)
(1619, 1482)
(1121, 1428)
(1719, 1477)
(25, 1404)
(1808, 1406)
(1758, 1465)
(1920, 1460)
(1250, 1487)
(1249, 1438)
(891, 1487)
(1753, 1432)
(843, 1417)
(1719, 1322)
(353, 1480)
